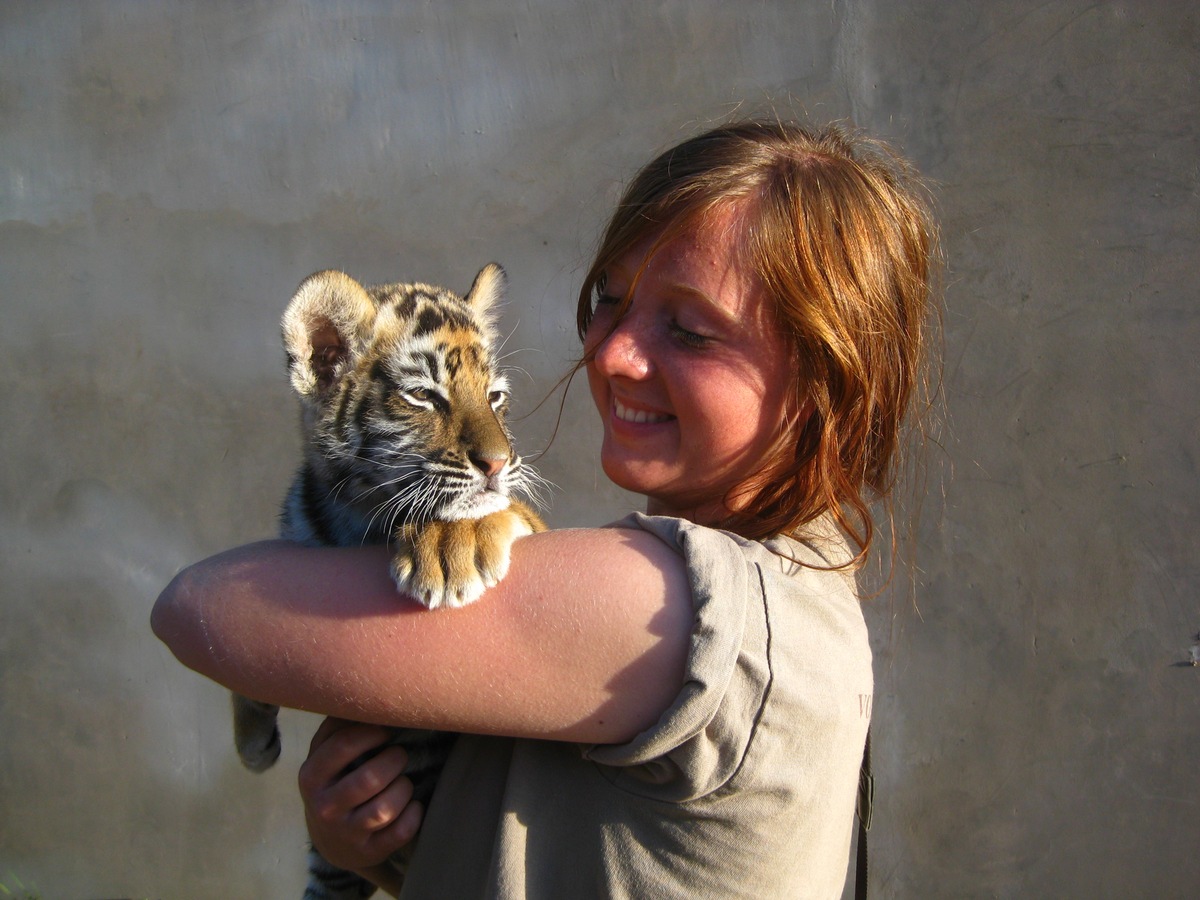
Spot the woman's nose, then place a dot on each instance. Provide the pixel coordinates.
(624, 353)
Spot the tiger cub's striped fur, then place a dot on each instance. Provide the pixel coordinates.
(402, 413)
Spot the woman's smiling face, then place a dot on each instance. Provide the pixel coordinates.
(692, 383)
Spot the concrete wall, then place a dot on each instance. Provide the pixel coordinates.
(170, 171)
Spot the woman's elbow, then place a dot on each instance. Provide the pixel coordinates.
(177, 618)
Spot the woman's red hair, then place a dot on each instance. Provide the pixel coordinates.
(840, 235)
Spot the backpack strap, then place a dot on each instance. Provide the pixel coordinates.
(866, 811)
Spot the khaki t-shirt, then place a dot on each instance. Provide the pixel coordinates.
(745, 787)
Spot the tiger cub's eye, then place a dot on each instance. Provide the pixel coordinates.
(424, 397)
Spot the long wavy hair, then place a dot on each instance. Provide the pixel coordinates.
(839, 232)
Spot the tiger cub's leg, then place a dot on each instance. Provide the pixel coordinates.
(255, 732)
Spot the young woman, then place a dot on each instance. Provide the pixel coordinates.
(674, 705)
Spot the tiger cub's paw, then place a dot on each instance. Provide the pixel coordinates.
(453, 563)
(255, 733)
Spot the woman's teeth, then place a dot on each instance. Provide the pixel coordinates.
(637, 416)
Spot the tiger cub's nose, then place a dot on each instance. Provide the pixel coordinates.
(489, 465)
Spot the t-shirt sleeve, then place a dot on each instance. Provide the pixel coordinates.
(699, 743)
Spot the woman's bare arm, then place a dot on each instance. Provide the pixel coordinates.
(584, 640)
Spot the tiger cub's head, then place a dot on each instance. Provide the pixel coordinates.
(402, 401)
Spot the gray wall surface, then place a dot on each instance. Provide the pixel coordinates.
(170, 171)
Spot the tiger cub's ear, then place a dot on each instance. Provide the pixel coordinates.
(327, 323)
(487, 291)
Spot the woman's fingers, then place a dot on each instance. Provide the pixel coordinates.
(336, 749)
(372, 777)
(346, 738)
(384, 808)
(358, 802)
(403, 829)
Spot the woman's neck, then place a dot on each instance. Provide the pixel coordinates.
(709, 514)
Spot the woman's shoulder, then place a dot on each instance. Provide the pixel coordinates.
(773, 641)
(818, 546)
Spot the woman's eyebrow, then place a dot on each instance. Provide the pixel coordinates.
(674, 286)
(708, 302)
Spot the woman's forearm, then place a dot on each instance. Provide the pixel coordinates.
(325, 630)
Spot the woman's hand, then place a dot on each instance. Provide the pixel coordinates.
(358, 817)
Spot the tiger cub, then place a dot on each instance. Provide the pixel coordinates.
(402, 414)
